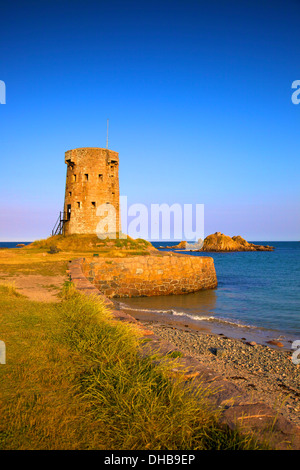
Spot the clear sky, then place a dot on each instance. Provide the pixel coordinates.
(198, 97)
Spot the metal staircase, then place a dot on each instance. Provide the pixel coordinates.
(59, 224)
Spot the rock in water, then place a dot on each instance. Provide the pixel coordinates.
(220, 242)
(275, 342)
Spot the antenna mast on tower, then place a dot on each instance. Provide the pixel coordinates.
(107, 135)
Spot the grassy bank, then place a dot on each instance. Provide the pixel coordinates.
(74, 380)
(49, 257)
(88, 243)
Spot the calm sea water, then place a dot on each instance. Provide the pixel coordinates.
(12, 244)
(258, 295)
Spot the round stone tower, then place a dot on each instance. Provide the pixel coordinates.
(92, 184)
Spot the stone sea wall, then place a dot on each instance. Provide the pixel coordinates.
(150, 275)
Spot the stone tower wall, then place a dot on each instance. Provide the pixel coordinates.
(92, 180)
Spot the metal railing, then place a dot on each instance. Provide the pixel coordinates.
(59, 224)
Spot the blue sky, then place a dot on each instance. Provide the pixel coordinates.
(198, 97)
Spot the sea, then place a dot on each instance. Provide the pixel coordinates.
(12, 244)
(257, 298)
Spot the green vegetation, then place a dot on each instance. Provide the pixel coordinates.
(175, 354)
(49, 257)
(89, 243)
(74, 379)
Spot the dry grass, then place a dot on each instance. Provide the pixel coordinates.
(39, 409)
(90, 243)
(74, 380)
(17, 261)
(38, 258)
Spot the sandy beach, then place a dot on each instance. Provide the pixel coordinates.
(267, 373)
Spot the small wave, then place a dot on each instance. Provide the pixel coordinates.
(211, 318)
(127, 307)
(187, 315)
(192, 317)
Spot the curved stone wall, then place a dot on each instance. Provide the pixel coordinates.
(138, 276)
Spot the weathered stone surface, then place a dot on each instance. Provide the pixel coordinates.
(260, 418)
(181, 246)
(220, 242)
(148, 276)
(92, 180)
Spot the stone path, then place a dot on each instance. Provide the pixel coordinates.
(35, 286)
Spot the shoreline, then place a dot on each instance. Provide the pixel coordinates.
(236, 331)
(264, 371)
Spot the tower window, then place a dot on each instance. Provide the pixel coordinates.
(93, 204)
(78, 205)
(74, 177)
(68, 211)
(70, 164)
(100, 177)
(70, 193)
(86, 177)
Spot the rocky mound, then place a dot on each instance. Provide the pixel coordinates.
(184, 245)
(220, 242)
(181, 246)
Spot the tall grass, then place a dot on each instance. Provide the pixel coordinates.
(134, 397)
(74, 379)
(9, 287)
(89, 242)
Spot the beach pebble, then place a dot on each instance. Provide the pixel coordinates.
(218, 351)
(274, 342)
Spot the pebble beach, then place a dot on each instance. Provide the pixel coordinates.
(266, 373)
